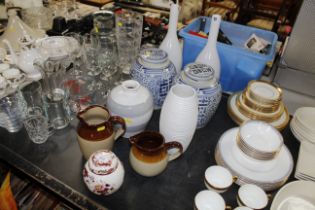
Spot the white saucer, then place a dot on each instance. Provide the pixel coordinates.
(239, 118)
(279, 172)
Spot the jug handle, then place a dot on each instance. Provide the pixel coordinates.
(172, 145)
(116, 120)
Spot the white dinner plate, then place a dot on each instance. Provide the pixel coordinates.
(280, 171)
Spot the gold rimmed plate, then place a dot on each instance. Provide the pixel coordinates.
(265, 92)
(239, 118)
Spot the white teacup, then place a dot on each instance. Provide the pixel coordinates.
(208, 199)
(243, 208)
(218, 178)
(252, 196)
(14, 77)
(4, 67)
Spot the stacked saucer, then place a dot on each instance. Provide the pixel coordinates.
(259, 101)
(303, 124)
(255, 154)
(303, 128)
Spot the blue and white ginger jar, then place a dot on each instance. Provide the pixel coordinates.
(201, 78)
(156, 72)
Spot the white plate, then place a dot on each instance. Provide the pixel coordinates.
(299, 133)
(280, 171)
(298, 189)
(264, 90)
(280, 123)
(306, 116)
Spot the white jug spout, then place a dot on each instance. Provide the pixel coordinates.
(12, 53)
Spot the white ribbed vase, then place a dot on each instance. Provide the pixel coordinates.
(179, 115)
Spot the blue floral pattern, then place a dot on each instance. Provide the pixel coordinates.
(158, 81)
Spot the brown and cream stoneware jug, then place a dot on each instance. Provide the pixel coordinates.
(98, 130)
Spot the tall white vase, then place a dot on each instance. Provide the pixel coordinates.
(209, 54)
(170, 43)
(179, 114)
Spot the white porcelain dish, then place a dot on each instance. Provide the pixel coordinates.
(252, 196)
(299, 133)
(303, 191)
(268, 176)
(306, 116)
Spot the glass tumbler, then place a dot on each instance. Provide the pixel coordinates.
(129, 33)
(35, 121)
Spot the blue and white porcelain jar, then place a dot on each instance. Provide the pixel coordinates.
(201, 78)
(156, 72)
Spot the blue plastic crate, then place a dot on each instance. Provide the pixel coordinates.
(238, 64)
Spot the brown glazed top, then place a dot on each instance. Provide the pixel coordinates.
(94, 124)
(148, 146)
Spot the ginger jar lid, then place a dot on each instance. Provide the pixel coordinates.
(153, 55)
(199, 75)
(103, 162)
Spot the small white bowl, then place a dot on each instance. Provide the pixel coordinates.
(252, 196)
(261, 136)
(243, 208)
(208, 200)
(218, 178)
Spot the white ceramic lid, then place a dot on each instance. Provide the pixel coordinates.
(130, 93)
(258, 171)
(209, 200)
(103, 162)
(218, 177)
(153, 55)
(253, 196)
(199, 75)
(261, 136)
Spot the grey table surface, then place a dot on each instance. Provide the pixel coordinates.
(57, 165)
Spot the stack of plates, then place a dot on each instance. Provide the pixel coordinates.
(303, 128)
(259, 101)
(303, 124)
(267, 174)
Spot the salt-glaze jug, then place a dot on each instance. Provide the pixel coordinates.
(98, 130)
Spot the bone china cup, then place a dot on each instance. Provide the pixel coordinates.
(208, 199)
(218, 178)
(98, 130)
(252, 196)
(148, 154)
